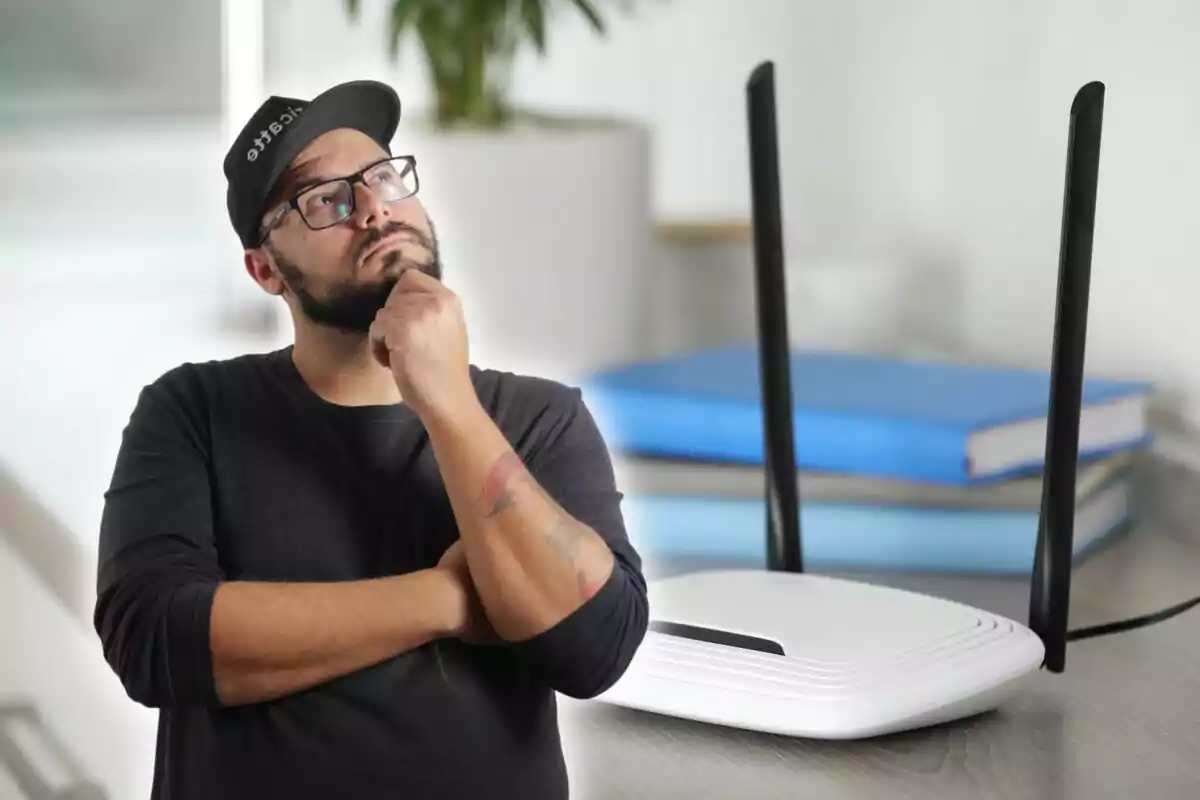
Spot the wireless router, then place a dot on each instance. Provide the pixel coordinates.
(785, 652)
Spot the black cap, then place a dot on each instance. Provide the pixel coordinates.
(283, 126)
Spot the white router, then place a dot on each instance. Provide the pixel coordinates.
(789, 653)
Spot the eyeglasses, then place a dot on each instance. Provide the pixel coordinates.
(330, 202)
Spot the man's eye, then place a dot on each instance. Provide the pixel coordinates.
(320, 200)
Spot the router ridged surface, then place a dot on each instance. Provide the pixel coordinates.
(860, 660)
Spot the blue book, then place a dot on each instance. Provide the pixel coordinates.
(864, 535)
(919, 420)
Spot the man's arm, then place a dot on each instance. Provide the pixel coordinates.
(271, 639)
(177, 633)
(533, 564)
(562, 582)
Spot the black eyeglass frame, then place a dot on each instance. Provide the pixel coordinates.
(293, 202)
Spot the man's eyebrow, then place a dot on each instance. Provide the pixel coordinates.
(305, 175)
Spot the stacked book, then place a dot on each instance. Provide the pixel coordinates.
(906, 464)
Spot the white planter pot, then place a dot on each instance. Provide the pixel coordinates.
(545, 233)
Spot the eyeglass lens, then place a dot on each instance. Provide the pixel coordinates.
(331, 202)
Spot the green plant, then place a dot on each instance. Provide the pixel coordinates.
(470, 46)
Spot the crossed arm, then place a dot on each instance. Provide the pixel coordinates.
(532, 563)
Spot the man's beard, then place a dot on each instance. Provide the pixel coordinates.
(350, 306)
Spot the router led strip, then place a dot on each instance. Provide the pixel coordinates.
(786, 652)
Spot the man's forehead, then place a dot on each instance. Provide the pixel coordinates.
(306, 170)
(338, 152)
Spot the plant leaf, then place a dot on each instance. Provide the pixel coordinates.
(589, 11)
(534, 16)
(404, 13)
(353, 9)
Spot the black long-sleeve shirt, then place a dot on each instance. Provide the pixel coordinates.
(235, 470)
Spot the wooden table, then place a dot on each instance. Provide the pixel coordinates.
(1122, 722)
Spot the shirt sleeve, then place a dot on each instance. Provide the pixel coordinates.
(586, 653)
(158, 568)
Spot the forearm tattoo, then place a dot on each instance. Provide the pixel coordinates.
(497, 494)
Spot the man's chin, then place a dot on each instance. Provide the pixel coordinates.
(352, 309)
(396, 263)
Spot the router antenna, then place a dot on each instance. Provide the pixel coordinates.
(779, 449)
(1051, 590)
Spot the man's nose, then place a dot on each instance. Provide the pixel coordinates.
(369, 211)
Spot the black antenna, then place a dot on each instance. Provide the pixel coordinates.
(779, 449)
(1051, 591)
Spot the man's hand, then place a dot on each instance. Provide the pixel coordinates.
(420, 334)
(473, 626)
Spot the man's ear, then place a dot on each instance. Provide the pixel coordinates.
(260, 268)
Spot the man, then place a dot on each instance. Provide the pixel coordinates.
(359, 566)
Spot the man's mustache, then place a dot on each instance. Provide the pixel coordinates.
(376, 235)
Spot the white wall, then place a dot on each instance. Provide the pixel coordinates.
(929, 131)
(50, 660)
(109, 59)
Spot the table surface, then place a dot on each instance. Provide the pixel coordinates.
(1123, 720)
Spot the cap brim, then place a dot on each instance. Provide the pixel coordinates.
(368, 106)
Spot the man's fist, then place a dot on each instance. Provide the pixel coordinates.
(471, 623)
(421, 336)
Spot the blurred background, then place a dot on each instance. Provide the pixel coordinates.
(922, 152)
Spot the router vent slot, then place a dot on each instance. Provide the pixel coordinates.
(715, 636)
